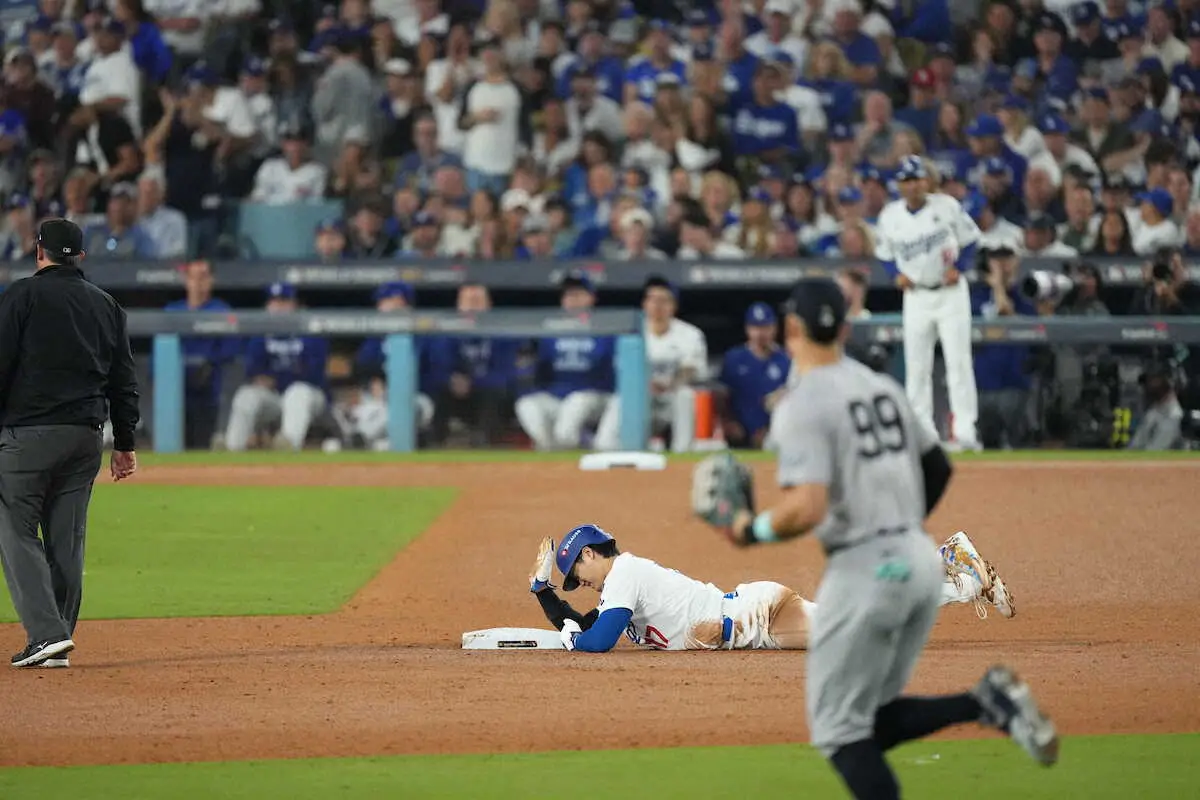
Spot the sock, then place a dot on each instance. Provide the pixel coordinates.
(907, 718)
(865, 771)
(809, 607)
(964, 590)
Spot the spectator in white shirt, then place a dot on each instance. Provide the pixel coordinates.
(492, 119)
(697, 240)
(1161, 42)
(1155, 229)
(996, 232)
(112, 82)
(1060, 153)
(182, 23)
(1041, 239)
(166, 227)
(253, 84)
(225, 111)
(293, 177)
(446, 80)
(635, 228)
(588, 110)
(776, 35)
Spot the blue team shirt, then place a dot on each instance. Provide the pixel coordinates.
(490, 363)
(576, 364)
(430, 378)
(999, 366)
(644, 75)
(839, 99)
(288, 359)
(972, 168)
(861, 51)
(200, 351)
(610, 77)
(151, 53)
(757, 129)
(749, 380)
(738, 82)
(922, 120)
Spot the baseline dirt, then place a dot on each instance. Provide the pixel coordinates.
(1102, 559)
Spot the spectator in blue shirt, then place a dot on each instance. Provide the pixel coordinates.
(119, 236)
(828, 74)
(150, 52)
(985, 137)
(996, 185)
(1054, 69)
(641, 78)
(740, 67)
(1089, 42)
(204, 359)
(479, 372)
(860, 49)
(609, 71)
(765, 130)
(285, 382)
(921, 113)
(1001, 371)
(752, 377)
(416, 169)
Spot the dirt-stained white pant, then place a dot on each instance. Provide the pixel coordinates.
(675, 410)
(941, 315)
(256, 407)
(557, 424)
(369, 418)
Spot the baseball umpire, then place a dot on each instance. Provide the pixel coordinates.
(65, 367)
(862, 472)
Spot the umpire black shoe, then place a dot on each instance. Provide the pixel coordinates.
(1008, 704)
(38, 652)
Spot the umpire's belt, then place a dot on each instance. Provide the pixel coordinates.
(727, 625)
(837, 548)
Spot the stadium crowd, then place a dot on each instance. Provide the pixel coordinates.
(593, 128)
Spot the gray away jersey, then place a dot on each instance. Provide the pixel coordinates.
(852, 429)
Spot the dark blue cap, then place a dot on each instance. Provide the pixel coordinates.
(975, 204)
(1193, 28)
(698, 17)
(1188, 82)
(942, 50)
(570, 547)
(760, 314)
(1150, 121)
(395, 289)
(759, 195)
(985, 125)
(41, 23)
(254, 66)
(849, 195)
(201, 73)
(1150, 65)
(281, 291)
(17, 200)
(996, 166)
(329, 11)
(1048, 21)
(113, 25)
(841, 132)
(576, 279)
(704, 51)
(911, 168)
(769, 172)
(660, 25)
(280, 25)
(1085, 12)
(820, 304)
(330, 224)
(1026, 68)
(1128, 28)
(1053, 123)
(423, 218)
(1097, 93)
(1159, 198)
(1014, 102)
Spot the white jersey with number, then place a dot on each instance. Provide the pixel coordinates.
(926, 242)
(670, 610)
(682, 347)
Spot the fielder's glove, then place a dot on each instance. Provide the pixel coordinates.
(722, 492)
(570, 630)
(543, 566)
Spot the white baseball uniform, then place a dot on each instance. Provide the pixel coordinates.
(681, 347)
(923, 245)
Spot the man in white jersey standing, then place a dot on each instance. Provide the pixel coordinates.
(927, 241)
(862, 472)
(678, 357)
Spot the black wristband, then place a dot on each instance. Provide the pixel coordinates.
(746, 534)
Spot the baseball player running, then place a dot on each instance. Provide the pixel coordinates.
(926, 242)
(664, 609)
(862, 472)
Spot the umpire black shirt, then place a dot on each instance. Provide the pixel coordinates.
(65, 357)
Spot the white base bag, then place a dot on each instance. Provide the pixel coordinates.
(512, 639)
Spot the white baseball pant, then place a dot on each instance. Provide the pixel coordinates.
(256, 407)
(554, 423)
(675, 410)
(369, 418)
(930, 316)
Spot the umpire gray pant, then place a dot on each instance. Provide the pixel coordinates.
(46, 477)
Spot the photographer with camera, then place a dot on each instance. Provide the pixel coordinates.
(1167, 291)
(1001, 371)
(1161, 426)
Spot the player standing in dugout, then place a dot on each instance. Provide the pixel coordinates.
(862, 472)
(65, 368)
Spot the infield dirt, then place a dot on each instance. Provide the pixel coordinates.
(1101, 557)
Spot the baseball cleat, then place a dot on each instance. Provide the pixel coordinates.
(543, 566)
(998, 594)
(960, 555)
(1008, 704)
(37, 653)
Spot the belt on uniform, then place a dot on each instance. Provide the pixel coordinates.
(727, 625)
(837, 548)
(925, 288)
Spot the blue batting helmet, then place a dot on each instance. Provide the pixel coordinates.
(571, 545)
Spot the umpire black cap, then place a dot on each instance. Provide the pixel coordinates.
(60, 238)
(820, 304)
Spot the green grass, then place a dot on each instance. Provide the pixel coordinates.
(266, 457)
(182, 551)
(1097, 768)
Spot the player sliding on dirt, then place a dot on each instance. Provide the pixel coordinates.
(666, 610)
